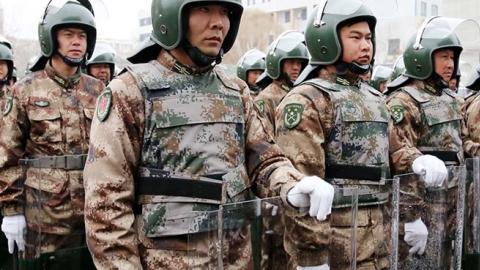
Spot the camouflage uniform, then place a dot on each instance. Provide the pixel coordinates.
(427, 120)
(471, 112)
(4, 95)
(268, 99)
(47, 121)
(327, 126)
(171, 119)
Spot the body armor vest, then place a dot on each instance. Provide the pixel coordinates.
(441, 125)
(356, 151)
(193, 156)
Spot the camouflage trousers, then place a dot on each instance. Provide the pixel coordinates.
(197, 251)
(274, 256)
(53, 222)
(310, 242)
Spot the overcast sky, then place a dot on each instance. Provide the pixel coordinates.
(116, 19)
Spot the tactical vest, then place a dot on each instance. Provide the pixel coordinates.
(193, 156)
(441, 122)
(356, 151)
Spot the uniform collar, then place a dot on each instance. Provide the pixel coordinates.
(348, 79)
(282, 85)
(64, 82)
(168, 61)
(429, 87)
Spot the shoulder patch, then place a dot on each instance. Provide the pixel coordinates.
(260, 105)
(8, 105)
(292, 115)
(397, 112)
(104, 102)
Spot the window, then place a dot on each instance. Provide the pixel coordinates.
(286, 18)
(303, 14)
(394, 46)
(423, 9)
(434, 10)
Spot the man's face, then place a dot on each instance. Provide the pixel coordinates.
(207, 28)
(72, 42)
(382, 86)
(443, 61)
(101, 72)
(252, 76)
(357, 43)
(452, 84)
(3, 69)
(292, 67)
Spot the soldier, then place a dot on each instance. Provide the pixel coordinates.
(6, 71)
(102, 63)
(168, 136)
(249, 68)
(380, 76)
(286, 58)
(14, 78)
(44, 141)
(426, 135)
(334, 125)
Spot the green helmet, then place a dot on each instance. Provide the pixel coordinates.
(5, 41)
(432, 36)
(289, 45)
(321, 33)
(71, 13)
(474, 83)
(7, 56)
(380, 74)
(251, 60)
(103, 54)
(169, 21)
(398, 69)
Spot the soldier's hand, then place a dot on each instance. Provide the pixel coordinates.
(14, 228)
(432, 170)
(416, 235)
(315, 193)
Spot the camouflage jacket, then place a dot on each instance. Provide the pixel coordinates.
(4, 95)
(47, 116)
(269, 98)
(471, 133)
(425, 121)
(201, 122)
(331, 121)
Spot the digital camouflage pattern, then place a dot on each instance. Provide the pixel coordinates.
(432, 123)
(270, 97)
(49, 116)
(344, 122)
(471, 112)
(5, 99)
(173, 118)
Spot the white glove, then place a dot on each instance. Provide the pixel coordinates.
(313, 192)
(14, 228)
(432, 169)
(318, 267)
(416, 234)
(272, 208)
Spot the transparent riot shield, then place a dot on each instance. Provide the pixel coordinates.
(472, 215)
(240, 232)
(441, 209)
(376, 225)
(54, 203)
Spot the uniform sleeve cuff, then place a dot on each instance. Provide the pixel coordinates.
(12, 210)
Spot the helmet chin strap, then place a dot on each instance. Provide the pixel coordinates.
(4, 81)
(354, 67)
(73, 62)
(199, 58)
(438, 82)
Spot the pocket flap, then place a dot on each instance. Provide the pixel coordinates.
(43, 113)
